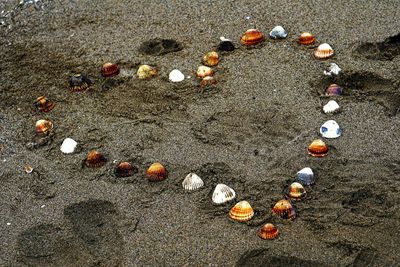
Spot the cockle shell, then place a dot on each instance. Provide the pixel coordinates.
(278, 32)
(331, 107)
(241, 212)
(43, 104)
(156, 172)
(334, 90)
(79, 82)
(284, 209)
(208, 80)
(306, 38)
(330, 129)
(318, 148)
(146, 72)
(176, 76)
(324, 51)
(306, 176)
(68, 146)
(43, 126)
(204, 71)
(124, 169)
(223, 193)
(211, 59)
(295, 191)
(95, 159)
(109, 70)
(192, 182)
(226, 45)
(268, 231)
(252, 37)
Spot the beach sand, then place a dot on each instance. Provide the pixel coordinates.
(250, 132)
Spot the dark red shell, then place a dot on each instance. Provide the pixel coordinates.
(43, 104)
(95, 159)
(79, 83)
(125, 169)
(268, 231)
(109, 70)
(156, 172)
(252, 37)
(306, 38)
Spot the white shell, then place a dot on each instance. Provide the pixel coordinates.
(331, 107)
(278, 32)
(222, 194)
(333, 69)
(325, 47)
(176, 76)
(192, 182)
(68, 146)
(305, 176)
(330, 129)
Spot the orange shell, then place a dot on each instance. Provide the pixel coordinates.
(252, 37)
(324, 51)
(43, 104)
(208, 80)
(124, 169)
(204, 71)
(95, 159)
(295, 191)
(241, 212)
(268, 231)
(43, 126)
(156, 172)
(318, 148)
(284, 209)
(109, 70)
(211, 59)
(306, 38)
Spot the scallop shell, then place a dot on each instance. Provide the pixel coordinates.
(324, 51)
(124, 169)
(278, 32)
(208, 80)
(223, 193)
(68, 146)
(252, 37)
(318, 148)
(204, 71)
(79, 82)
(284, 209)
(43, 126)
(268, 231)
(43, 104)
(176, 76)
(146, 72)
(295, 191)
(241, 212)
(109, 70)
(211, 59)
(95, 159)
(226, 45)
(156, 172)
(330, 129)
(334, 90)
(331, 107)
(192, 182)
(306, 38)
(306, 176)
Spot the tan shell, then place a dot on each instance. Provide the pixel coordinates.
(211, 59)
(241, 212)
(43, 126)
(156, 172)
(324, 51)
(204, 71)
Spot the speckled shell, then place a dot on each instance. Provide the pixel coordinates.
(334, 90)
(79, 83)
(284, 209)
(211, 59)
(43, 126)
(306, 38)
(43, 104)
(204, 71)
(207, 81)
(318, 148)
(305, 176)
(109, 70)
(146, 72)
(268, 231)
(241, 212)
(252, 37)
(324, 51)
(95, 159)
(278, 32)
(295, 191)
(223, 193)
(124, 169)
(192, 182)
(156, 172)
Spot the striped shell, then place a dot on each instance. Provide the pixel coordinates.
(284, 209)
(306, 38)
(192, 182)
(318, 148)
(223, 193)
(268, 231)
(295, 191)
(324, 51)
(156, 172)
(43, 104)
(95, 159)
(252, 37)
(241, 212)
(43, 126)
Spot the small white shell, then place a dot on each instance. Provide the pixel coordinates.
(68, 146)
(330, 129)
(222, 194)
(333, 69)
(278, 32)
(176, 76)
(192, 182)
(306, 176)
(331, 107)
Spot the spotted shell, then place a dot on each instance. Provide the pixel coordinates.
(252, 37)
(284, 209)
(109, 70)
(43, 126)
(241, 212)
(306, 38)
(207, 81)
(324, 51)
(146, 72)
(268, 231)
(192, 182)
(334, 90)
(330, 129)
(156, 172)
(124, 169)
(95, 159)
(79, 83)
(43, 104)
(305, 176)
(204, 71)
(211, 59)
(295, 191)
(223, 193)
(318, 148)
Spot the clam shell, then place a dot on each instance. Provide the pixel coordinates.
(278, 32)
(306, 176)
(324, 51)
(68, 146)
(295, 191)
(268, 231)
(334, 90)
(331, 107)
(192, 182)
(146, 72)
(223, 193)
(252, 37)
(208, 80)
(241, 212)
(79, 83)
(43, 126)
(204, 71)
(43, 104)
(226, 45)
(95, 159)
(156, 172)
(176, 76)
(109, 70)
(330, 129)
(318, 148)
(211, 59)
(284, 209)
(124, 169)
(306, 38)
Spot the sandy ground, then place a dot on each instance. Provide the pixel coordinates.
(250, 132)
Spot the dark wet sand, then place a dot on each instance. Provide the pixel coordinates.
(250, 132)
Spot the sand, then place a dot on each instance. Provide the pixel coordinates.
(249, 132)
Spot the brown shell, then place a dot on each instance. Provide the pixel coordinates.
(318, 148)
(334, 90)
(95, 159)
(156, 172)
(211, 59)
(208, 80)
(109, 70)
(324, 51)
(241, 212)
(268, 231)
(252, 37)
(204, 71)
(306, 38)
(295, 191)
(124, 169)
(284, 209)
(43, 126)
(79, 83)
(43, 104)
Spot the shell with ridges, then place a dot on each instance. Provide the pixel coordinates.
(295, 191)
(192, 182)
(223, 193)
(324, 51)
(306, 38)
(156, 172)
(331, 107)
(284, 209)
(268, 231)
(318, 148)
(79, 83)
(43, 104)
(241, 212)
(252, 37)
(211, 59)
(95, 159)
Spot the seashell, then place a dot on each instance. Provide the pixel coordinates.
(79, 82)
(223, 193)
(306, 38)
(211, 59)
(176, 76)
(331, 107)
(295, 191)
(330, 129)
(109, 70)
(241, 212)
(68, 146)
(95, 159)
(278, 32)
(124, 169)
(268, 231)
(192, 182)
(43, 104)
(225, 45)
(305, 176)
(156, 172)
(43, 126)
(204, 71)
(146, 72)
(252, 37)
(324, 51)
(334, 90)
(318, 148)
(208, 80)
(28, 169)
(333, 69)
(284, 209)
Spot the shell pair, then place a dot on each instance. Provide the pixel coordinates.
(43, 104)
(241, 212)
